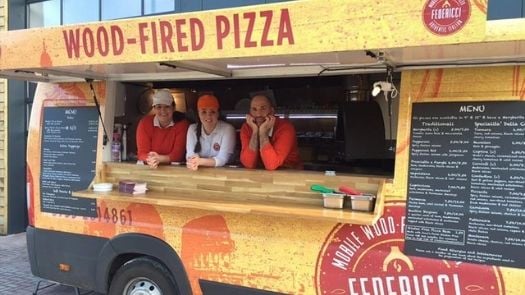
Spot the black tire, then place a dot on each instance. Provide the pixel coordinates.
(144, 274)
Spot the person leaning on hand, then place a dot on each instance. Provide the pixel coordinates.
(268, 139)
(210, 142)
(159, 138)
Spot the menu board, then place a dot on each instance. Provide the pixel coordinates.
(466, 184)
(69, 145)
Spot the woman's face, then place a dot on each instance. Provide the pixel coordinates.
(164, 113)
(209, 117)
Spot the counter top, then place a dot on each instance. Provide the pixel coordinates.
(219, 201)
(248, 191)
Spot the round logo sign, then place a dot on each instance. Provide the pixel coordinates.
(216, 146)
(446, 17)
(358, 260)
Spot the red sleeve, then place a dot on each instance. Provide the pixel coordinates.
(179, 146)
(248, 156)
(144, 132)
(274, 154)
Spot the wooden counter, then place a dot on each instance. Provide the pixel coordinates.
(277, 193)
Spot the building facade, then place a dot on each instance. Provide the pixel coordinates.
(3, 127)
(3, 132)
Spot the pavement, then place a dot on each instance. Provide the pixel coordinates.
(15, 272)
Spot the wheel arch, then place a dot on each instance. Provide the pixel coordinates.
(131, 245)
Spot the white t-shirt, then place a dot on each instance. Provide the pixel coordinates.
(218, 145)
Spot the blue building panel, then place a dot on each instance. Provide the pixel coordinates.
(196, 5)
(213, 4)
(504, 9)
(189, 5)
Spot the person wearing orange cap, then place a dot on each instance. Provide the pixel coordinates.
(210, 142)
(159, 138)
(267, 139)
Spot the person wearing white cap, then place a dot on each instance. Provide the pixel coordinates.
(159, 138)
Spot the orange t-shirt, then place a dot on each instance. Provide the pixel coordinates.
(281, 151)
(164, 141)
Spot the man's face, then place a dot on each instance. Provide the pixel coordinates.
(260, 108)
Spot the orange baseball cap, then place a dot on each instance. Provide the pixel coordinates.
(208, 101)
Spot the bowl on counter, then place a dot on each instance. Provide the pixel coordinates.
(333, 200)
(364, 202)
(103, 187)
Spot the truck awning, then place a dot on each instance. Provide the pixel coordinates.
(298, 38)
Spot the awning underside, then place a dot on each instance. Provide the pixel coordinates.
(330, 63)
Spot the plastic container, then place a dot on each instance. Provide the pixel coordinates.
(116, 148)
(335, 201)
(103, 187)
(124, 155)
(363, 202)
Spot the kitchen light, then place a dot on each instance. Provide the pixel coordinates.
(381, 85)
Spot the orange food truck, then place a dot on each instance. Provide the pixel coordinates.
(448, 216)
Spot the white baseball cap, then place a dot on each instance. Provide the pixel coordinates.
(162, 96)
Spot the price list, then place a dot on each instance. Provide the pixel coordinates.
(69, 144)
(466, 182)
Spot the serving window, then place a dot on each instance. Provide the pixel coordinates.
(339, 125)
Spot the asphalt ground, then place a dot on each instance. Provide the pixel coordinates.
(15, 272)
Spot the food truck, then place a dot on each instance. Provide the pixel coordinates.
(448, 215)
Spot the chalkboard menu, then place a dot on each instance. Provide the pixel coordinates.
(466, 184)
(69, 145)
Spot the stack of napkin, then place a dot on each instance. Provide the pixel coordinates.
(132, 187)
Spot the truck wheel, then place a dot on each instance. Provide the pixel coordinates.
(142, 276)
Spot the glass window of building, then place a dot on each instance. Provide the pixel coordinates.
(44, 14)
(213, 4)
(190, 5)
(504, 9)
(80, 11)
(115, 9)
(158, 6)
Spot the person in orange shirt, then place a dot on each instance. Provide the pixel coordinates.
(268, 139)
(159, 138)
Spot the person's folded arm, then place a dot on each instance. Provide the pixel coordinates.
(207, 162)
(227, 146)
(249, 156)
(178, 150)
(191, 140)
(143, 140)
(274, 154)
(164, 159)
